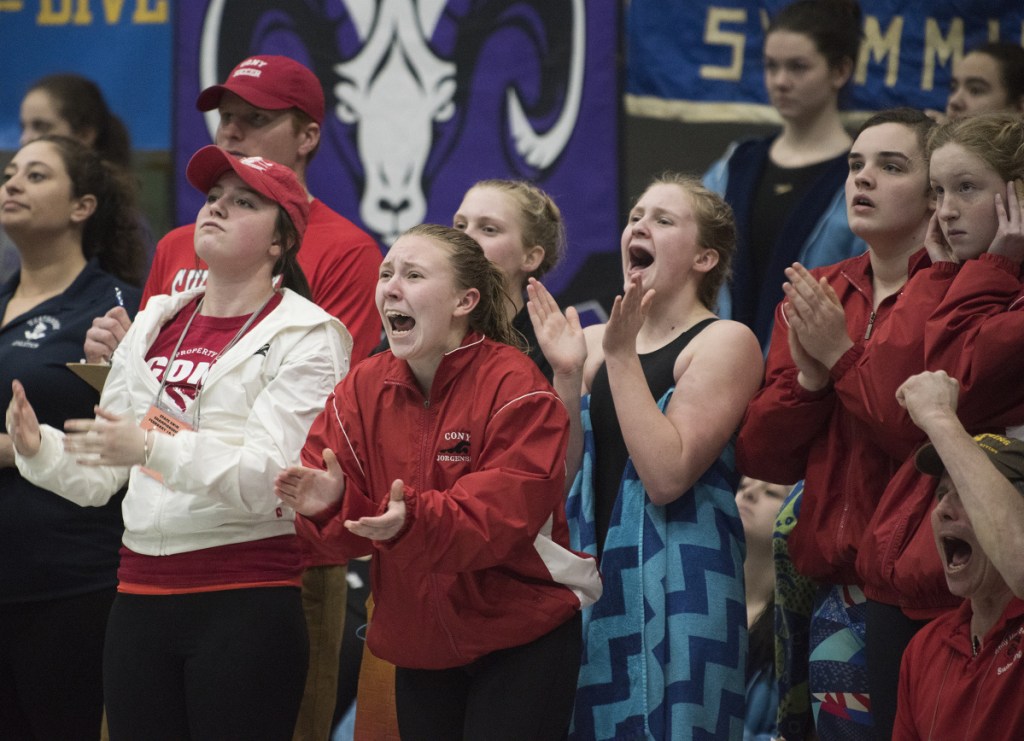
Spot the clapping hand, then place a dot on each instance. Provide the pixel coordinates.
(560, 337)
(107, 440)
(816, 315)
(388, 525)
(628, 315)
(312, 492)
(22, 424)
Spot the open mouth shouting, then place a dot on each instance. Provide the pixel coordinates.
(639, 258)
(400, 324)
(957, 553)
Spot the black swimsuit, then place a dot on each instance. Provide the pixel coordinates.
(609, 447)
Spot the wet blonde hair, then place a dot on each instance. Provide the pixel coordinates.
(996, 138)
(473, 270)
(540, 220)
(716, 230)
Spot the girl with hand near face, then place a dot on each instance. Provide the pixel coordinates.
(444, 458)
(656, 395)
(71, 217)
(209, 397)
(976, 172)
(786, 190)
(978, 176)
(818, 416)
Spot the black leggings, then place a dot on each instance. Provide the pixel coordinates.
(525, 692)
(51, 656)
(209, 666)
(888, 633)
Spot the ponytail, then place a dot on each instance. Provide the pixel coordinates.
(287, 266)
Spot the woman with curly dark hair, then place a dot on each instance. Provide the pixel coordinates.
(73, 106)
(74, 223)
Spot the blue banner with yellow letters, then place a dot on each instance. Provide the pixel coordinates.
(699, 60)
(122, 45)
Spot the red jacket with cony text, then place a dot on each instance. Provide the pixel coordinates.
(483, 561)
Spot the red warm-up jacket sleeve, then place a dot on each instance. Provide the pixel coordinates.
(783, 419)
(329, 541)
(975, 336)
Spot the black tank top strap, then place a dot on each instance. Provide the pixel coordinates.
(659, 365)
(610, 448)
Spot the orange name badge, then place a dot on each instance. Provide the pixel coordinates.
(162, 421)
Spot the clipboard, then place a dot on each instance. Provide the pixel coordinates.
(94, 374)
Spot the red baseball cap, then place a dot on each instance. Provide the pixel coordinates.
(271, 180)
(272, 83)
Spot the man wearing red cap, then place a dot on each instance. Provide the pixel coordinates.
(273, 107)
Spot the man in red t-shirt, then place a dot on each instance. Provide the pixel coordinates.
(273, 107)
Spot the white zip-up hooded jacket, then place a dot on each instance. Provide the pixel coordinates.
(258, 403)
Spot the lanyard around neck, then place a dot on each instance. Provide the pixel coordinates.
(174, 354)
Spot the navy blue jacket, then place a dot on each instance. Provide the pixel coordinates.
(49, 547)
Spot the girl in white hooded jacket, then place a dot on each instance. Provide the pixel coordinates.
(210, 395)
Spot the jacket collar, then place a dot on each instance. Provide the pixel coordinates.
(294, 313)
(858, 270)
(959, 636)
(453, 363)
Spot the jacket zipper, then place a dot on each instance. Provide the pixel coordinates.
(427, 447)
(871, 325)
(841, 527)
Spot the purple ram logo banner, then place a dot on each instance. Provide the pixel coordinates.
(424, 97)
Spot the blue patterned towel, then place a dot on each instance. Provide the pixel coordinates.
(665, 646)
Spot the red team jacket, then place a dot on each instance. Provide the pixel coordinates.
(946, 692)
(973, 332)
(483, 562)
(842, 440)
